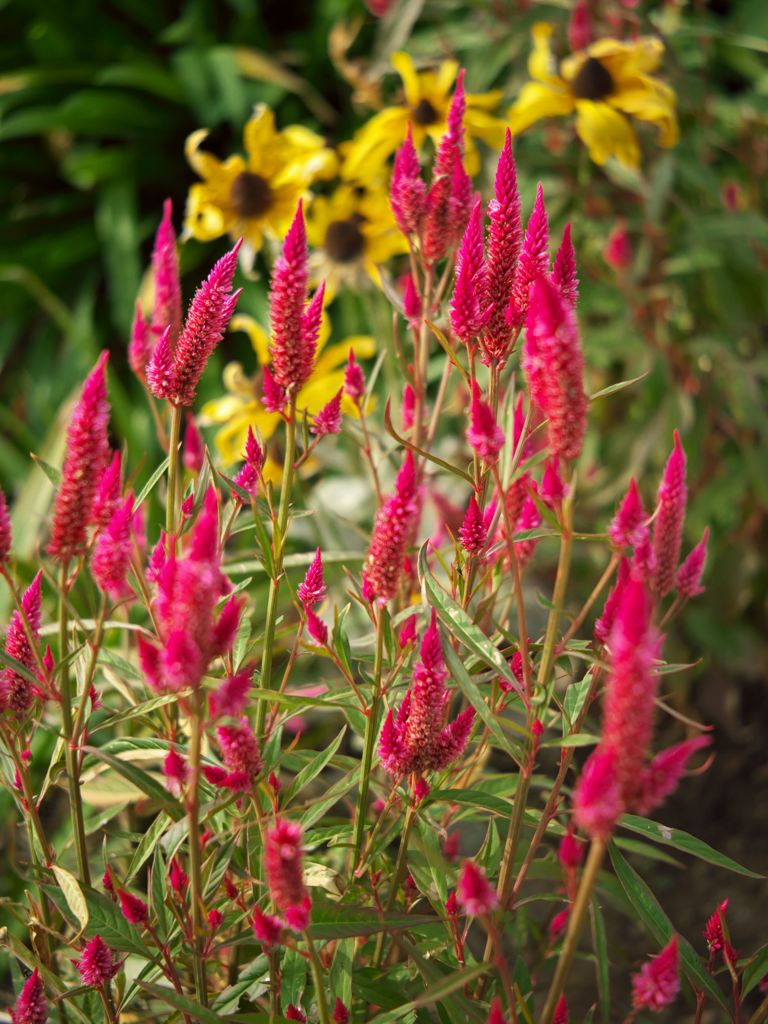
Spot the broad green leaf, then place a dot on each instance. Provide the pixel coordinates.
(755, 970)
(183, 1003)
(434, 994)
(475, 798)
(147, 845)
(105, 919)
(293, 978)
(684, 842)
(313, 769)
(136, 711)
(149, 485)
(252, 981)
(342, 968)
(575, 695)
(73, 894)
(600, 946)
(341, 922)
(157, 887)
(142, 780)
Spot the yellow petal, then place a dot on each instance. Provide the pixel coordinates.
(334, 356)
(606, 133)
(375, 142)
(204, 220)
(541, 62)
(206, 165)
(647, 99)
(403, 64)
(257, 336)
(483, 125)
(259, 134)
(446, 76)
(319, 390)
(536, 101)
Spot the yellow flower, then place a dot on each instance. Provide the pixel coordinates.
(241, 406)
(427, 98)
(353, 232)
(255, 195)
(606, 85)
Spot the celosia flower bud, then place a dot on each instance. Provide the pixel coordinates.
(292, 350)
(106, 881)
(690, 572)
(579, 27)
(474, 892)
(407, 191)
(5, 529)
(354, 379)
(604, 624)
(529, 519)
(31, 1006)
(175, 770)
(178, 877)
(111, 557)
(657, 983)
(570, 850)
(231, 696)
(267, 930)
(505, 239)
(107, 496)
(412, 303)
(98, 964)
(16, 691)
(340, 1012)
(408, 407)
(495, 1013)
(194, 448)
(272, 395)
(484, 434)
(564, 274)
(561, 1012)
(554, 368)
(469, 301)
(241, 754)
(166, 311)
(533, 262)
(457, 109)
(157, 559)
(715, 935)
(627, 527)
(557, 925)
(84, 463)
(668, 523)
(317, 629)
(597, 798)
(661, 776)
(552, 488)
(407, 634)
(328, 419)
(293, 1012)
(472, 532)
(283, 866)
(311, 590)
(394, 525)
(134, 910)
(215, 917)
(618, 249)
(140, 346)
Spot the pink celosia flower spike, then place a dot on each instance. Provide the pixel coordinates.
(283, 865)
(473, 532)
(108, 494)
(716, 938)
(564, 274)
(111, 557)
(392, 530)
(657, 983)
(16, 690)
(97, 964)
(495, 1014)
(194, 447)
(627, 527)
(85, 461)
(31, 1006)
(474, 892)
(469, 303)
(484, 434)
(340, 1012)
(311, 590)
(604, 624)
(141, 345)
(242, 756)
(554, 367)
(668, 524)
(661, 776)
(294, 1013)
(597, 798)
(317, 629)
(533, 261)
(407, 192)
(134, 910)
(272, 395)
(166, 311)
(561, 1015)
(248, 477)
(412, 303)
(231, 696)
(354, 379)
(291, 360)
(505, 240)
(618, 249)
(209, 313)
(579, 27)
(175, 770)
(5, 529)
(457, 109)
(690, 572)
(328, 419)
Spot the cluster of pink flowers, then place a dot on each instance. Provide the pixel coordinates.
(17, 692)
(396, 522)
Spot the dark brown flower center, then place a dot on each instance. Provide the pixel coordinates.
(344, 241)
(593, 81)
(250, 195)
(424, 113)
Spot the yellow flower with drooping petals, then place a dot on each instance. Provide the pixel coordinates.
(241, 407)
(254, 195)
(353, 233)
(426, 101)
(605, 85)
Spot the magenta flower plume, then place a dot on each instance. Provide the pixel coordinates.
(570, 851)
(340, 1012)
(317, 629)
(417, 740)
(657, 983)
(292, 347)
(241, 754)
(354, 379)
(690, 572)
(618, 249)
(395, 524)
(311, 590)
(552, 488)
(457, 109)
(505, 239)
(166, 311)
(85, 460)
(178, 877)
(604, 624)
(627, 527)
(267, 930)
(495, 1013)
(407, 191)
(668, 524)
(17, 692)
(484, 434)
(532, 263)
(285, 879)
(661, 776)
(248, 477)
(111, 557)
(272, 395)
(561, 1015)
(449, 201)
(294, 1013)
(141, 345)
(194, 447)
(564, 274)
(408, 407)
(715, 934)
(231, 696)
(97, 964)
(597, 797)
(529, 519)
(108, 493)
(134, 910)
(5, 529)
(31, 1006)
(554, 368)
(328, 419)
(175, 770)
(175, 370)
(473, 532)
(469, 301)
(475, 894)
(412, 303)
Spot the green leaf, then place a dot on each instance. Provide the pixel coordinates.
(475, 798)
(105, 919)
(53, 474)
(73, 894)
(183, 1003)
(575, 696)
(149, 485)
(434, 994)
(157, 887)
(147, 844)
(136, 711)
(142, 780)
(574, 739)
(620, 386)
(684, 842)
(755, 970)
(649, 911)
(293, 978)
(600, 946)
(312, 770)
(342, 922)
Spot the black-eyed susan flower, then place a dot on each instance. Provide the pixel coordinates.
(254, 195)
(242, 407)
(606, 85)
(353, 232)
(425, 104)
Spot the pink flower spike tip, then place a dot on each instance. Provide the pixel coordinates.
(283, 867)
(292, 357)
(31, 1007)
(354, 379)
(627, 527)
(495, 1013)
(108, 493)
(657, 983)
(165, 269)
(474, 892)
(141, 345)
(408, 192)
(473, 532)
(328, 419)
(194, 447)
(395, 523)
(670, 516)
(5, 529)
(690, 572)
(340, 1012)
(98, 964)
(533, 261)
(311, 590)
(484, 434)
(561, 1015)
(134, 910)
(597, 798)
(17, 693)
(564, 273)
(469, 301)
(111, 557)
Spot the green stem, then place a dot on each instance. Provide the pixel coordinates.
(575, 925)
(174, 445)
(397, 874)
(558, 595)
(70, 751)
(371, 727)
(278, 541)
(195, 872)
(317, 978)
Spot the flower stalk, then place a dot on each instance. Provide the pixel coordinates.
(369, 741)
